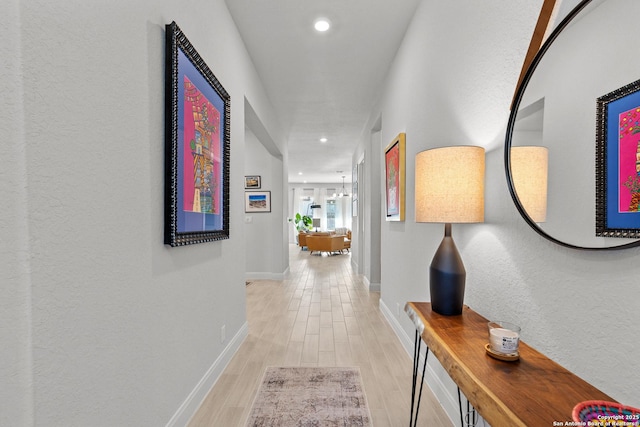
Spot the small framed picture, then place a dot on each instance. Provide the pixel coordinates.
(252, 181)
(257, 201)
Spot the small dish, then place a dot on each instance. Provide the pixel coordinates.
(507, 357)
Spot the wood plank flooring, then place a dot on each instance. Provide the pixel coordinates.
(321, 315)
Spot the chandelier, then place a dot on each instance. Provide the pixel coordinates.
(343, 192)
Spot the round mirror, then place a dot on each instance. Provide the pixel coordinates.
(550, 149)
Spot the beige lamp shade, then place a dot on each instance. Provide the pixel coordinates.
(529, 171)
(450, 185)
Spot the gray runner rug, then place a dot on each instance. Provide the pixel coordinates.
(305, 397)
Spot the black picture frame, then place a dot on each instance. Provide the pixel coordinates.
(252, 182)
(197, 146)
(618, 163)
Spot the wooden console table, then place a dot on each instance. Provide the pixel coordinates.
(533, 391)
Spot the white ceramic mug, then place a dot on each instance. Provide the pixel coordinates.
(504, 337)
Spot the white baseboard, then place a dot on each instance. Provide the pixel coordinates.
(405, 340)
(266, 275)
(372, 287)
(435, 371)
(197, 395)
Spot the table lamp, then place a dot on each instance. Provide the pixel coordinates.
(529, 171)
(449, 188)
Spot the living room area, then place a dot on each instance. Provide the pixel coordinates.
(330, 242)
(321, 216)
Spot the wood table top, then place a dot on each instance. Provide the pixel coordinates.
(532, 391)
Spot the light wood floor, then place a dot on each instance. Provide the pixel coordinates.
(321, 315)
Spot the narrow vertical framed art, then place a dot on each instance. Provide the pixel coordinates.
(394, 165)
(197, 145)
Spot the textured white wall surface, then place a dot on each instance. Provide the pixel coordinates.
(16, 391)
(451, 84)
(101, 323)
(264, 230)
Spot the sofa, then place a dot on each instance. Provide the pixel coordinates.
(347, 241)
(302, 237)
(345, 233)
(325, 242)
(302, 240)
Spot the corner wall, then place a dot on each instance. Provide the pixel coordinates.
(264, 231)
(451, 84)
(105, 324)
(16, 392)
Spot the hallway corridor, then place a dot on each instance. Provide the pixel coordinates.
(321, 315)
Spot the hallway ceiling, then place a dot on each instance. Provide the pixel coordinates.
(322, 84)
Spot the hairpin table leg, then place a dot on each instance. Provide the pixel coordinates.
(416, 365)
(471, 419)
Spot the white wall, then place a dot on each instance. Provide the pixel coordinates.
(16, 391)
(451, 84)
(366, 241)
(264, 231)
(102, 324)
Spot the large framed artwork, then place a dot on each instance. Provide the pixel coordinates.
(618, 163)
(257, 201)
(197, 144)
(394, 165)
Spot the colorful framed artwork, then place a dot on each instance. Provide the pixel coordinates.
(197, 144)
(618, 163)
(252, 181)
(394, 165)
(257, 201)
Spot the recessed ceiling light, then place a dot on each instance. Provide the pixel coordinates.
(323, 139)
(322, 25)
(299, 173)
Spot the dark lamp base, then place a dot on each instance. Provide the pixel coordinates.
(447, 278)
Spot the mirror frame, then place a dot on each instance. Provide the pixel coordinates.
(509, 135)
